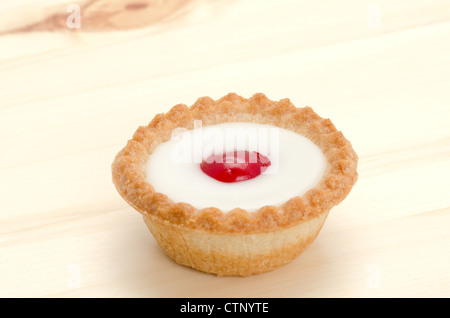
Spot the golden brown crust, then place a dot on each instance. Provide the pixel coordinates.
(129, 177)
(234, 255)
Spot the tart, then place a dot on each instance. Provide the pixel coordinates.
(248, 195)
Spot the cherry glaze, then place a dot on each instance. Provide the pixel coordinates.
(235, 166)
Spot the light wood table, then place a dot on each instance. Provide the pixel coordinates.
(71, 98)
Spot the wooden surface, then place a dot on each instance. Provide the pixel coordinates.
(71, 98)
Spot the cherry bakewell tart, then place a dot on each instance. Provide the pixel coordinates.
(235, 186)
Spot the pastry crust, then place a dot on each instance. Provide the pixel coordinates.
(179, 227)
(231, 254)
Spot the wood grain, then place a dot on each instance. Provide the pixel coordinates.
(71, 99)
(97, 15)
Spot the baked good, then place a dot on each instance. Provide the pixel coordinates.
(255, 222)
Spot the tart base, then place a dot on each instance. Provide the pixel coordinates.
(231, 254)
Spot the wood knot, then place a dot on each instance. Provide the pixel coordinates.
(136, 6)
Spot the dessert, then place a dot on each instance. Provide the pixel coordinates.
(235, 186)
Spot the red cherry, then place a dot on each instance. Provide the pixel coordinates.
(235, 166)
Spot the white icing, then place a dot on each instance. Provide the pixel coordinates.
(297, 165)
